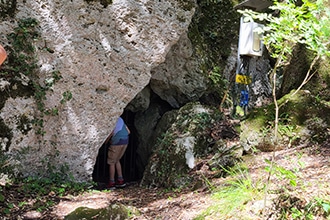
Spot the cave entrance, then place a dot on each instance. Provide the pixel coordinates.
(128, 161)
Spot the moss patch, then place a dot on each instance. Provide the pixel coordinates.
(320, 84)
(213, 29)
(294, 73)
(115, 211)
(20, 60)
(300, 116)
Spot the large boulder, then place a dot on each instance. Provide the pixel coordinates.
(92, 58)
(187, 136)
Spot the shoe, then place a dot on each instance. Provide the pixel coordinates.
(111, 185)
(120, 183)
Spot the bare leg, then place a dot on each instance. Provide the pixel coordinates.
(118, 168)
(112, 171)
(120, 181)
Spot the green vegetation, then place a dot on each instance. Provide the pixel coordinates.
(57, 183)
(45, 190)
(212, 32)
(6, 168)
(114, 211)
(306, 24)
(22, 60)
(292, 207)
(22, 63)
(240, 196)
(188, 138)
(171, 165)
(301, 118)
(238, 190)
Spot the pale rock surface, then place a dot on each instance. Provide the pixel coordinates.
(105, 56)
(141, 101)
(179, 79)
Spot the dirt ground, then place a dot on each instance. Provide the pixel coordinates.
(163, 204)
(151, 203)
(158, 203)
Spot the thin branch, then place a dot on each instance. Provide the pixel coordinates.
(278, 61)
(307, 77)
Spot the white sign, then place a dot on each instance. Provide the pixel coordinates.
(250, 42)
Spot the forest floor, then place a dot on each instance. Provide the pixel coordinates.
(310, 162)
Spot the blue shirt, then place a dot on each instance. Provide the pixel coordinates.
(120, 133)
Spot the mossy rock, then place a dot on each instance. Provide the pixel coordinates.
(297, 115)
(212, 32)
(114, 211)
(187, 140)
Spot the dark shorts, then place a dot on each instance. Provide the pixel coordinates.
(115, 152)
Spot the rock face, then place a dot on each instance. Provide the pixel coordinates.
(98, 59)
(104, 55)
(178, 80)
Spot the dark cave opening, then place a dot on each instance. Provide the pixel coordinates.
(128, 161)
(133, 164)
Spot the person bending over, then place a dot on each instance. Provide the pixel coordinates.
(119, 138)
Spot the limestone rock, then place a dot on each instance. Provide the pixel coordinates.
(104, 56)
(145, 123)
(178, 80)
(141, 101)
(260, 89)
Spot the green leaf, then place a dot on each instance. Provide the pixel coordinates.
(326, 207)
(2, 198)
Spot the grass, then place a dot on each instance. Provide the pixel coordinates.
(242, 197)
(231, 198)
